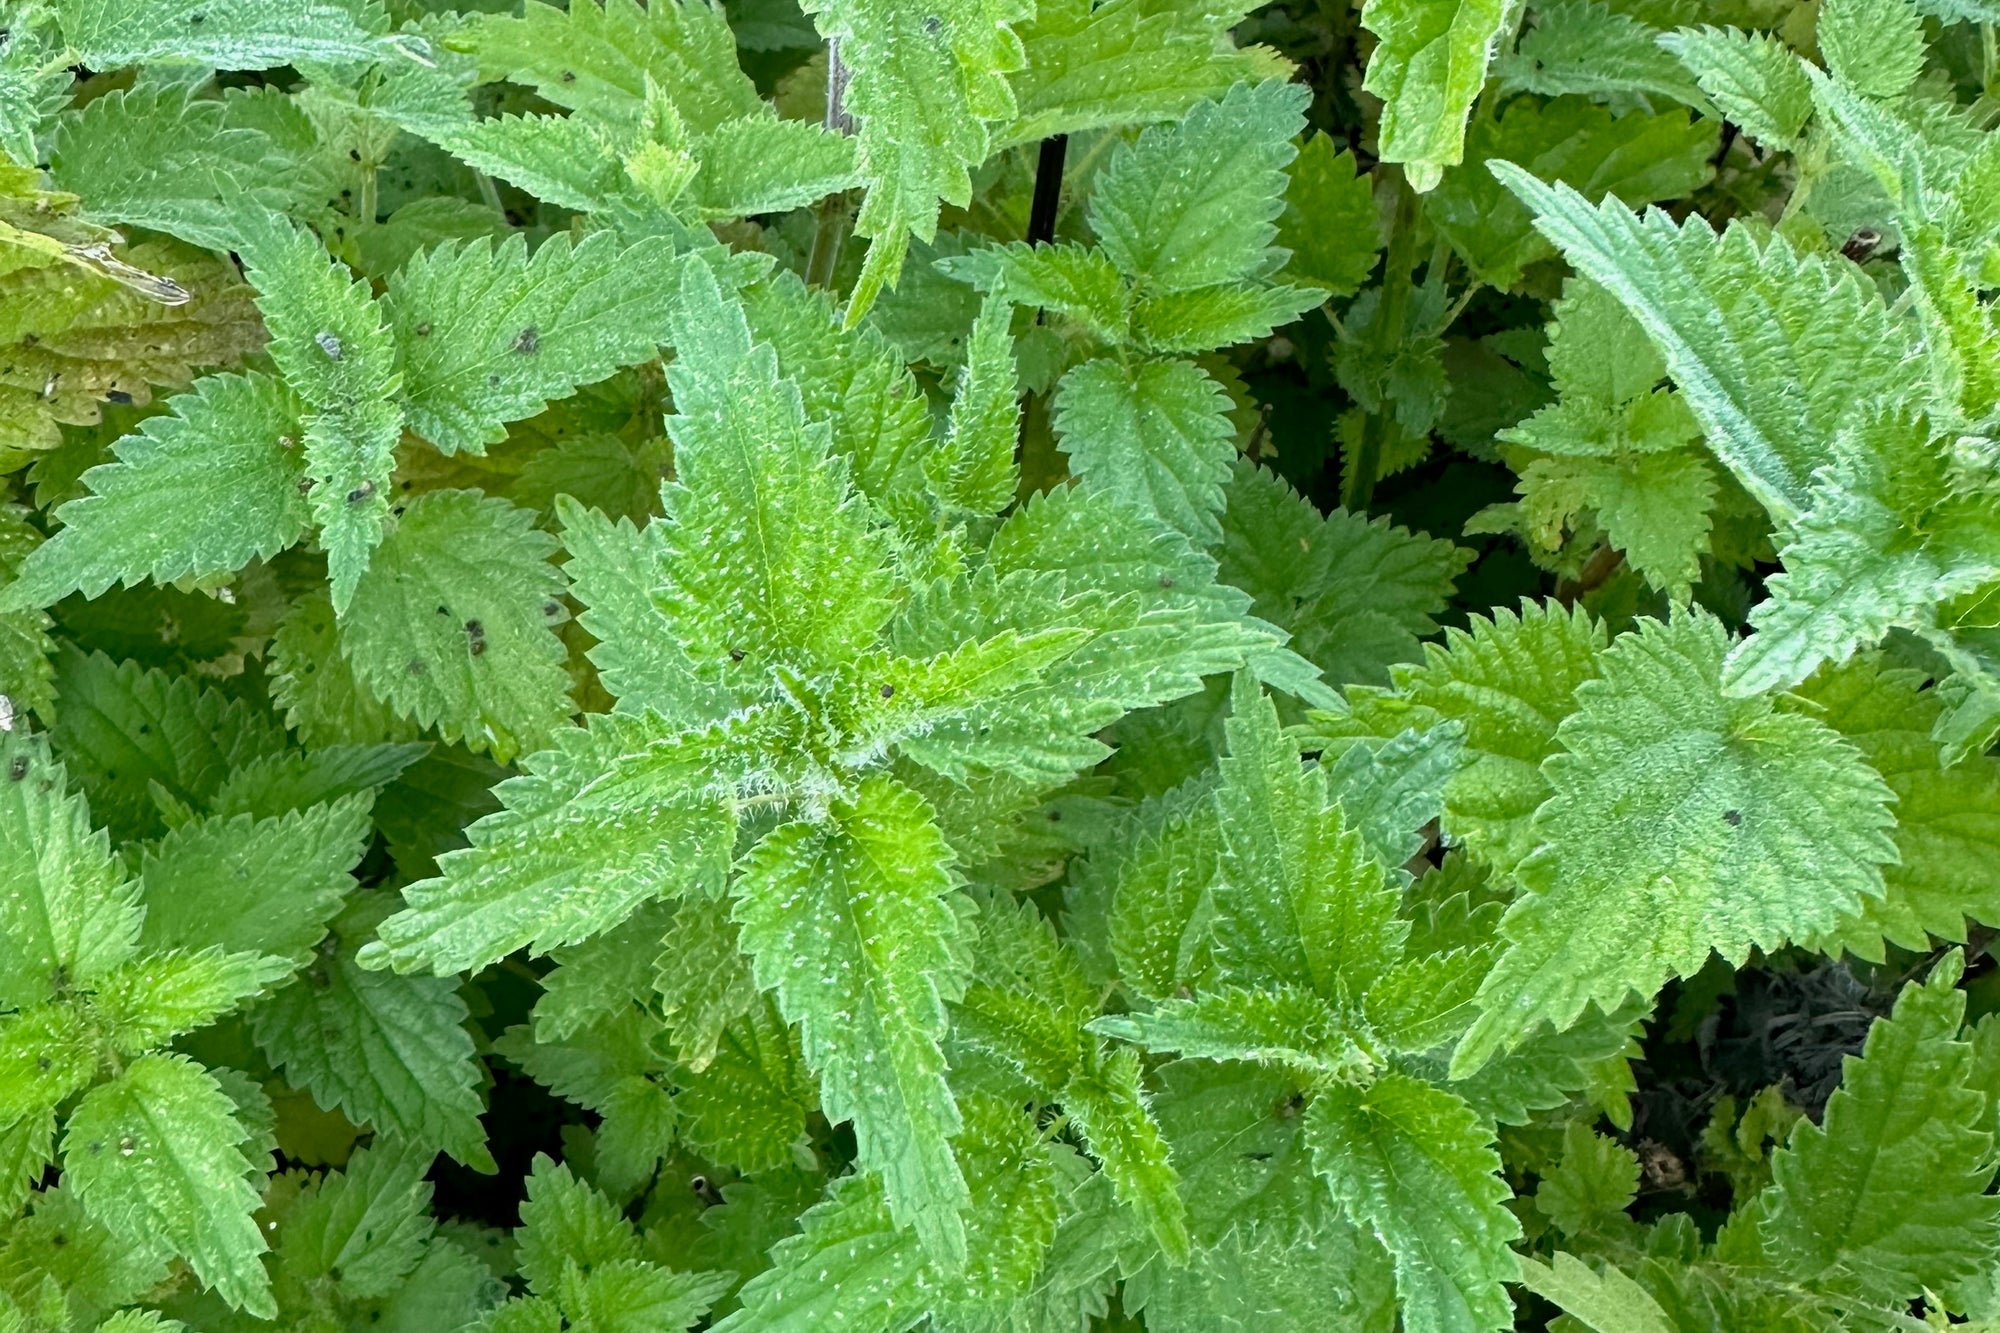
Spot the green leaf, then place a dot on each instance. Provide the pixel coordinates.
(1887, 1196)
(391, 1052)
(1417, 1166)
(366, 1226)
(127, 732)
(762, 165)
(1356, 593)
(1196, 203)
(769, 551)
(1276, 1024)
(1597, 1177)
(1075, 281)
(703, 979)
(147, 1002)
(1605, 1302)
(1155, 436)
(1329, 219)
(1875, 47)
(1583, 46)
(454, 623)
(222, 34)
(66, 914)
(47, 1055)
(1429, 64)
(1160, 883)
(1300, 901)
(1753, 79)
(632, 1296)
(1635, 157)
(852, 928)
(565, 160)
(1655, 507)
(202, 491)
(922, 86)
(748, 1109)
(1681, 821)
(156, 1156)
(268, 886)
(329, 341)
(614, 793)
(599, 56)
(1883, 539)
(1947, 819)
(1798, 342)
(1109, 1105)
(1126, 62)
(1219, 316)
(565, 1222)
(273, 785)
(488, 335)
(975, 471)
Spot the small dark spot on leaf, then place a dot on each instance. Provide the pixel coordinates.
(416, 667)
(362, 493)
(1862, 244)
(888, 691)
(569, 76)
(18, 769)
(493, 381)
(1734, 818)
(528, 341)
(736, 654)
(117, 396)
(305, 485)
(1166, 581)
(443, 612)
(354, 155)
(43, 1063)
(551, 608)
(330, 344)
(145, 728)
(424, 329)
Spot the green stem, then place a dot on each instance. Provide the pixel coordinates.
(1390, 317)
(830, 217)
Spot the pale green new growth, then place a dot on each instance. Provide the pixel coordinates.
(1680, 821)
(1416, 1165)
(1606, 1302)
(850, 927)
(1429, 63)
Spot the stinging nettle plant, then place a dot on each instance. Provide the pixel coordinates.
(1035, 667)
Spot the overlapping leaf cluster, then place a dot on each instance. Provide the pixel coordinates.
(1049, 665)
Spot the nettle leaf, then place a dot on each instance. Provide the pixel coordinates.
(1772, 350)
(1875, 47)
(156, 1155)
(202, 491)
(228, 34)
(1635, 157)
(1608, 1301)
(1429, 63)
(269, 886)
(488, 335)
(1175, 228)
(1887, 1196)
(976, 471)
(1947, 819)
(454, 623)
(365, 1226)
(1416, 1165)
(131, 735)
(599, 56)
(1680, 821)
(1155, 436)
(1125, 62)
(567, 160)
(329, 340)
(1584, 46)
(391, 1052)
(1329, 219)
(1299, 900)
(1753, 79)
(1884, 538)
(923, 87)
(851, 927)
(66, 913)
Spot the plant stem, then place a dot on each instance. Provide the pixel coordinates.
(831, 216)
(1390, 317)
(1047, 204)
